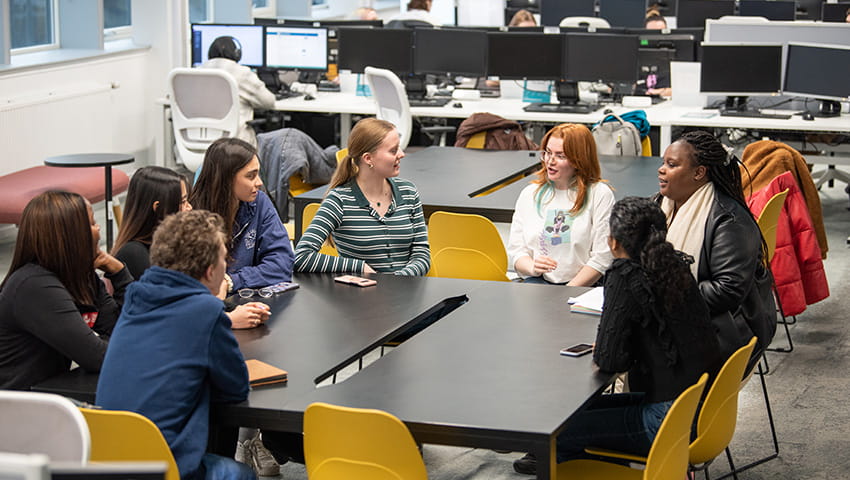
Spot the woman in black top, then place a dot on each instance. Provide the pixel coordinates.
(53, 307)
(154, 193)
(654, 325)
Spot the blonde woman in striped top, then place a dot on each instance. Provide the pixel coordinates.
(373, 218)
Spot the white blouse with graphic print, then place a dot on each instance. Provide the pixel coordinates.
(572, 241)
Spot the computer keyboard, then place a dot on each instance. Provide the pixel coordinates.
(429, 102)
(754, 114)
(559, 108)
(286, 94)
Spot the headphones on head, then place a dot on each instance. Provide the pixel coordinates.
(226, 47)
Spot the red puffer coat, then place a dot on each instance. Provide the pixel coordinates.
(797, 266)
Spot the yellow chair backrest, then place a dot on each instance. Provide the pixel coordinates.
(452, 262)
(306, 217)
(768, 220)
(446, 229)
(359, 437)
(719, 413)
(127, 437)
(477, 140)
(340, 154)
(646, 147)
(339, 468)
(668, 457)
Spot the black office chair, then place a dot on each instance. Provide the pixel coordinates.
(401, 24)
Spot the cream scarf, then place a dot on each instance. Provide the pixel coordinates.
(686, 230)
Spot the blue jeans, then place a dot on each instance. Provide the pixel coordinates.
(223, 468)
(618, 422)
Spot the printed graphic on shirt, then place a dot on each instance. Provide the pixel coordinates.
(556, 229)
(250, 239)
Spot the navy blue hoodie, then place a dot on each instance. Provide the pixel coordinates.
(170, 355)
(262, 253)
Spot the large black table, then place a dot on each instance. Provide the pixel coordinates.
(449, 178)
(487, 375)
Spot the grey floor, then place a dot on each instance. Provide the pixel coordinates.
(807, 387)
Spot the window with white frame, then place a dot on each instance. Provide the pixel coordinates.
(264, 8)
(117, 19)
(32, 24)
(200, 11)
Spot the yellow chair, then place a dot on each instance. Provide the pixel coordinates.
(668, 457)
(306, 217)
(127, 437)
(446, 229)
(477, 141)
(717, 417)
(297, 185)
(452, 262)
(350, 442)
(339, 468)
(646, 147)
(340, 154)
(767, 221)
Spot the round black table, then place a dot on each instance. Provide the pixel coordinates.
(106, 160)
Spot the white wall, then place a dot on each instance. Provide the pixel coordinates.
(124, 119)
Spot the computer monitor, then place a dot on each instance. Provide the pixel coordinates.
(553, 11)
(693, 13)
(623, 13)
(654, 68)
(835, 12)
(351, 23)
(684, 45)
(439, 51)
(297, 48)
(757, 71)
(250, 38)
(601, 57)
(809, 9)
(376, 47)
(533, 56)
(769, 9)
(820, 72)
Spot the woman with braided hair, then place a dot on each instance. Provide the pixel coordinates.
(708, 218)
(654, 325)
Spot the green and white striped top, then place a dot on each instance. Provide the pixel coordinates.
(396, 243)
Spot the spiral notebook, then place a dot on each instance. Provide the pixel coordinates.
(261, 373)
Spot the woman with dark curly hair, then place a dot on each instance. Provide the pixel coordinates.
(708, 218)
(654, 325)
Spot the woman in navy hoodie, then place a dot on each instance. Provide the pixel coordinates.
(259, 253)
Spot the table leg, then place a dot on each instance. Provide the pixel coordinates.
(546, 465)
(108, 201)
(344, 129)
(665, 136)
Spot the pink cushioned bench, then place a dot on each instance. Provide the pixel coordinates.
(18, 188)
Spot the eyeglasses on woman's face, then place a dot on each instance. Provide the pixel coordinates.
(548, 156)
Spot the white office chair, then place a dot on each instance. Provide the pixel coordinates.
(592, 23)
(204, 108)
(43, 423)
(391, 100)
(740, 19)
(20, 466)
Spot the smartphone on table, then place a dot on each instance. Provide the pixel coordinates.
(355, 280)
(577, 350)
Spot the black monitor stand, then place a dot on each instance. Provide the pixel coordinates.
(568, 101)
(415, 86)
(310, 76)
(829, 108)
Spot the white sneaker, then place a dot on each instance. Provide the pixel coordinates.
(242, 455)
(262, 460)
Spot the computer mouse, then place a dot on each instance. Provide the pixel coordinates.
(808, 116)
(457, 105)
(309, 97)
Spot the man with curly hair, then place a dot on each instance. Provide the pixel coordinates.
(172, 352)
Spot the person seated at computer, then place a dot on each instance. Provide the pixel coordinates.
(54, 310)
(847, 19)
(172, 353)
(155, 193)
(224, 54)
(701, 195)
(654, 20)
(522, 18)
(373, 218)
(364, 13)
(559, 231)
(654, 325)
(259, 251)
(417, 10)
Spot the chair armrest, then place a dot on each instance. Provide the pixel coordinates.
(438, 129)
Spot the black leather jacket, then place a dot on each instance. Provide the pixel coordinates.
(732, 277)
